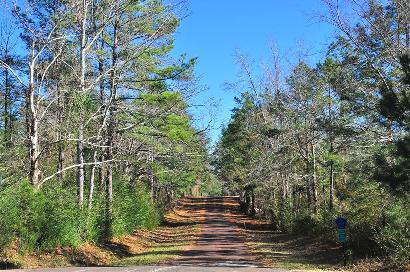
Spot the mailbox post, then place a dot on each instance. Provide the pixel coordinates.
(341, 230)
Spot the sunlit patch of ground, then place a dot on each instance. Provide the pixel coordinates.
(159, 245)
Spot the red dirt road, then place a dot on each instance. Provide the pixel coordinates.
(220, 242)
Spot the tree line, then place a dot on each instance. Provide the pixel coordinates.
(331, 139)
(96, 134)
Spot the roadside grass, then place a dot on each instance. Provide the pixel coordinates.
(298, 253)
(160, 245)
(180, 229)
(278, 250)
(153, 255)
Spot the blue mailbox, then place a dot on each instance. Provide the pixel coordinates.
(341, 222)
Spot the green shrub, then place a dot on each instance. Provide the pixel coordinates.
(133, 208)
(50, 217)
(21, 216)
(43, 219)
(211, 186)
(91, 220)
(283, 217)
(8, 217)
(303, 223)
(365, 218)
(60, 224)
(394, 237)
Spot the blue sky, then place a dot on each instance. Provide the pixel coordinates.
(215, 29)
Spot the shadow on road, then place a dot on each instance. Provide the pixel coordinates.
(220, 242)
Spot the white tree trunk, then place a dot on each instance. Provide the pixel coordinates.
(34, 143)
